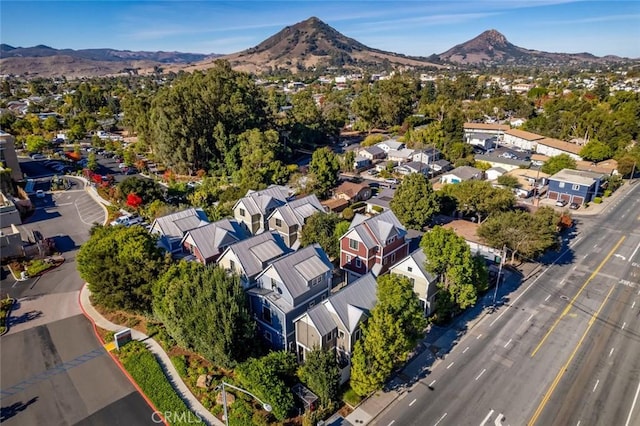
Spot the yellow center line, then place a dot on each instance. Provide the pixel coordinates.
(568, 308)
(564, 368)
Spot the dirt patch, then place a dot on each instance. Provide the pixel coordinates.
(125, 319)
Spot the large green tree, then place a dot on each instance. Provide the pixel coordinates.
(195, 121)
(120, 265)
(270, 378)
(480, 198)
(321, 228)
(321, 374)
(461, 275)
(554, 164)
(388, 336)
(324, 167)
(415, 202)
(596, 151)
(205, 309)
(525, 235)
(148, 189)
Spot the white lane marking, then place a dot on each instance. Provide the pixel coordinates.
(596, 385)
(440, 419)
(574, 243)
(481, 373)
(513, 303)
(623, 326)
(479, 336)
(574, 268)
(620, 256)
(634, 252)
(465, 349)
(585, 256)
(486, 419)
(635, 399)
(450, 365)
(507, 344)
(432, 383)
(547, 298)
(633, 305)
(562, 280)
(530, 317)
(412, 402)
(392, 422)
(498, 421)
(578, 424)
(611, 352)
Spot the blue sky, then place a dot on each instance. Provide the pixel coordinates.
(415, 27)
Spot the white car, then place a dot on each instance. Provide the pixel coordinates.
(127, 220)
(122, 166)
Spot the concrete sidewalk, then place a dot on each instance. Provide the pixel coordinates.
(172, 375)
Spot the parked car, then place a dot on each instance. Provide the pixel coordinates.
(40, 193)
(127, 220)
(561, 203)
(37, 156)
(574, 206)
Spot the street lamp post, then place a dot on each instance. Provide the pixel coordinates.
(266, 406)
(502, 255)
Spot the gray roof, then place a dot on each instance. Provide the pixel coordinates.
(391, 143)
(254, 253)
(382, 226)
(400, 153)
(373, 150)
(498, 169)
(483, 136)
(349, 304)
(415, 165)
(297, 211)
(258, 202)
(383, 198)
(576, 176)
(465, 172)
(298, 268)
(431, 151)
(210, 238)
(420, 258)
(502, 160)
(175, 225)
(442, 163)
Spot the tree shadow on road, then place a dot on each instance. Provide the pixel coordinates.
(26, 317)
(64, 243)
(12, 410)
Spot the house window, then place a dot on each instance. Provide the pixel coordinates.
(358, 263)
(409, 269)
(391, 240)
(316, 280)
(348, 258)
(266, 314)
(327, 338)
(385, 260)
(274, 285)
(357, 334)
(267, 335)
(340, 334)
(393, 257)
(353, 244)
(278, 223)
(576, 187)
(232, 265)
(312, 304)
(242, 212)
(561, 184)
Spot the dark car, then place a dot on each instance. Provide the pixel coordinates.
(574, 206)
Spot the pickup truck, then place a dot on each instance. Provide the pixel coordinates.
(127, 220)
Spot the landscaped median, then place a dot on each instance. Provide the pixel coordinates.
(143, 367)
(5, 310)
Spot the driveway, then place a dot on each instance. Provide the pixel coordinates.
(53, 369)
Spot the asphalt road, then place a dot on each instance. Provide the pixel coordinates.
(53, 370)
(561, 350)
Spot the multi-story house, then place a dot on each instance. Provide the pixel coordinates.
(552, 147)
(390, 145)
(285, 289)
(424, 282)
(8, 156)
(253, 209)
(492, 129)
(521, 139)
(208, 242)
(574, 186)
(335, 323)
(172, 228)
(426, 155)
(289, 219)
(250, 257)
(373, 244)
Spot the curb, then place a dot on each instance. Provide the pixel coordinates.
(119, 364)
(6, 317)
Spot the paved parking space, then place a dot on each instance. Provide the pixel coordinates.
(89, 211)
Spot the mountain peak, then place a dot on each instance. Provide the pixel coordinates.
(494, 37)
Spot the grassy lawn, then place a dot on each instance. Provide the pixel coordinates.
(146, 371)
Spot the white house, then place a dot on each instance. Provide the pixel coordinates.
(460, 174)
(390, 144)
(424, 283)
(521, 139)
(552, 147)
(494, 173)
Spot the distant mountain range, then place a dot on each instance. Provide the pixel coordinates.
(307, 44)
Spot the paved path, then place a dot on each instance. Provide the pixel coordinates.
(162, 357)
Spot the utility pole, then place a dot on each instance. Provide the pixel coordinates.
(502, 255)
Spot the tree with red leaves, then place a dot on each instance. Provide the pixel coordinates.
(134, 200)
